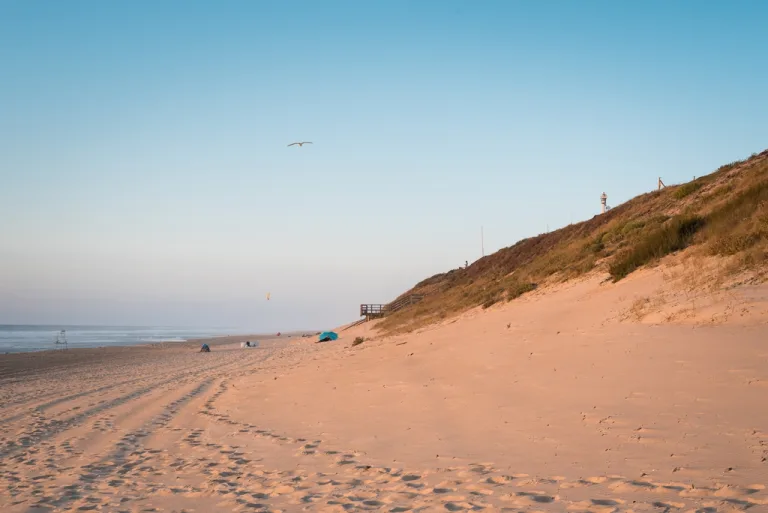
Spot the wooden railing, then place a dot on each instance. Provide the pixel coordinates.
(372, 311)
(403, 302)
(356, 323)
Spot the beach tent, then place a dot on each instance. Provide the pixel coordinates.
(205, 349)
(326, 336)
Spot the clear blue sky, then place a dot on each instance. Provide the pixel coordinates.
(145, 178)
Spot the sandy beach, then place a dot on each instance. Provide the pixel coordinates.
(579, 397)
(538, 231)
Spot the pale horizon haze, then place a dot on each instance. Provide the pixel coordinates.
(145, 177)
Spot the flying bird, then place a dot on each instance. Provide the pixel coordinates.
(300, 143)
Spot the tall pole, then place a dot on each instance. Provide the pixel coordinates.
(482, 242)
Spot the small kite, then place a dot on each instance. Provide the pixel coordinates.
(300, 143)
(268, 296)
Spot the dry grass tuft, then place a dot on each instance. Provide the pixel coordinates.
(674, 235)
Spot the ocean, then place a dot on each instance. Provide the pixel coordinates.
(21, 338)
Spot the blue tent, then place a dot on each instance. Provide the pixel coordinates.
(327, 335)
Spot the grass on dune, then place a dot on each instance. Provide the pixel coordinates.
(723, 213)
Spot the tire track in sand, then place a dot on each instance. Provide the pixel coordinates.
(42, 429)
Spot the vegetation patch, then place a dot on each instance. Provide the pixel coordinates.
(740, 223)
(727, 167)
(687, 189)
(517, 289)
(596, 245)
(674, 235)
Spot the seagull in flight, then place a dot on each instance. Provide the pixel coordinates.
(300, 143)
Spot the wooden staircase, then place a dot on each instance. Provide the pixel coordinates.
(356, 323)
(375, 311)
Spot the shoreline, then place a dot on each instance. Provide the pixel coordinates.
(34, 361)
(211, 340)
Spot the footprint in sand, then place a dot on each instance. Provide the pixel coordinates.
(668, 506)
(539, 497)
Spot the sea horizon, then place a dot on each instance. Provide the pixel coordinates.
(16, 338)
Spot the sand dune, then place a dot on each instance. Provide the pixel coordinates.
(565, 400)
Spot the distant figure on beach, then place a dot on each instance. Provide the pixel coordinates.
(247, 343)
(205, 349)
